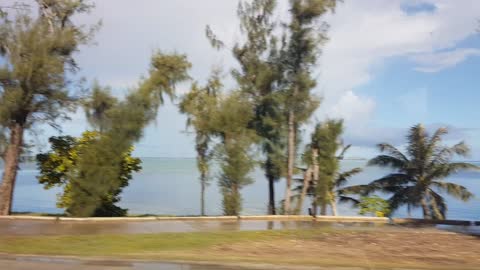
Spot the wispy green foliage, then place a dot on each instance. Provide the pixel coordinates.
(234, 151)
(200, 105)
(419, 174)
(37, 52)
(100, 163)
(59, 166)
(303, 38)
(258, 78)
(275, 74)
(97, 106)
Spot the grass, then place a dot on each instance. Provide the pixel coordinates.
(37, 214)
(108, 245)
(249, 247)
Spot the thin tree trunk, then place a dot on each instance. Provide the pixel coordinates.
(316, 181)
(436, 214)
(202, 196)
(12, 156)
(323, 209)
(290, 160)
(271, 196)
(333, 204)
(236, 194)
(306, 182)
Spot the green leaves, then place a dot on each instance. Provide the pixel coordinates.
(62, 167)
(38, 54)
(374, 205)
(455, 190)
(98, 105)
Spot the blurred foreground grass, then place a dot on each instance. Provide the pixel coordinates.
(326, 247)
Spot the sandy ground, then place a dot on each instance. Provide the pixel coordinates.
(406, 248)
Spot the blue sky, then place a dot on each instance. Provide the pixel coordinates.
(388, 65)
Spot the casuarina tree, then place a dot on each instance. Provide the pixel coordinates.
(200, 103)
(301, 43)
(257, 78)
(37, 55)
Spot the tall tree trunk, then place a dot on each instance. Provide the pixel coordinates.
(323, 209)
(436, 214)
(425, 207)
(290, 160)
(316, 181)
(12, 157)
(202, 195)
(236, 194)
(307, 176)
(333, 204)
(271, 196)
(314, 207)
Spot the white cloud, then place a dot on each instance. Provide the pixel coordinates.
(364, 35)
(353, 109)
(437, 61)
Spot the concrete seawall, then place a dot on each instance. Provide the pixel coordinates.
(340, 219)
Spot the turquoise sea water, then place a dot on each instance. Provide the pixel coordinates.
(170, 186)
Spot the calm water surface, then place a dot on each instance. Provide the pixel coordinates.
(170, 186)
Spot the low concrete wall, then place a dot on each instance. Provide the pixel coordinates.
(206, 218)
(434, 222)
(351, 219)
(339, 219)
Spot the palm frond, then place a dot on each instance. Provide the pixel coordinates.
(460, 149)
(417, 145)
(445, 154)
(392, 151)
(404, 196)
(343, 177)
(362, 190)
(445, 170)
(393, 179)
(344, 150)
(387, 161)
(437, 137)
(455, 190)
(348, 199)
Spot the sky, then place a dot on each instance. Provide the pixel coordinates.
(389, 64)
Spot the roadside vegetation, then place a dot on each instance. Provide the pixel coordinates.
(257, 122)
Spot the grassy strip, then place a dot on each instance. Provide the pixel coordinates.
(197, 246)
(109, 245)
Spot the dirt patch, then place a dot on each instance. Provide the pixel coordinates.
(413, 248)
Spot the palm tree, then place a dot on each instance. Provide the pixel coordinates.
(420, 173)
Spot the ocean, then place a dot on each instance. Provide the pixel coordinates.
(170, 186)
